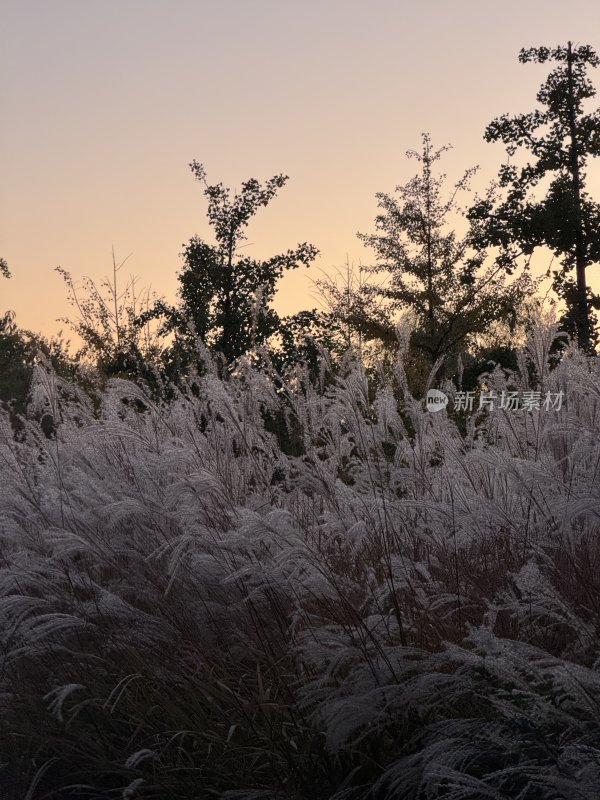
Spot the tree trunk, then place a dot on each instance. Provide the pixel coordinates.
(583, 317)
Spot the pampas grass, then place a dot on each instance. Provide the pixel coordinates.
(409, 608)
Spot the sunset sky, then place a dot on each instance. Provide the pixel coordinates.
(105, 103)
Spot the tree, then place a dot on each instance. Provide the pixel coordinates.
(441, 277)
(19, 351)
(561, 137)
(225, 297)
(107, 323)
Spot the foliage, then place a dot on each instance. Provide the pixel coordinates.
(20, 350)
(16, 357)
(428, 269)
(561, 137)
(292, 581)
(225, 297)
(394, 611)
(304, 338)
(108, 326)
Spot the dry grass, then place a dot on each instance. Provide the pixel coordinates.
(186, 612)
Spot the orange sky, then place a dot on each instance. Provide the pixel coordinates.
(105, 102)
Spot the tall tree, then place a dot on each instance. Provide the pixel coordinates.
(442, 277)
(561, 137)
(224, 295)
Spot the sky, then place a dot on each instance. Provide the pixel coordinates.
(106, 102)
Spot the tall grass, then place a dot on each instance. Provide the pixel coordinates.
(409, 608)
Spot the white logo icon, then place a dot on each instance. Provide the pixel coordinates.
(436, 400)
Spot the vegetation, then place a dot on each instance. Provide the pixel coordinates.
(225, 297)
(239, 556)
(441, 277)
(561, 138)
(187, 611)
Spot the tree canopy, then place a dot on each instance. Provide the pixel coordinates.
(561, 137)
(426, 267)
(224, 296)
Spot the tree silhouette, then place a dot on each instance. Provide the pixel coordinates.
(429, 269)
(561, 137)
(107, 322)
(225, 297)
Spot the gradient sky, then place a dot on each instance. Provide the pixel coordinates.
(105, 103)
